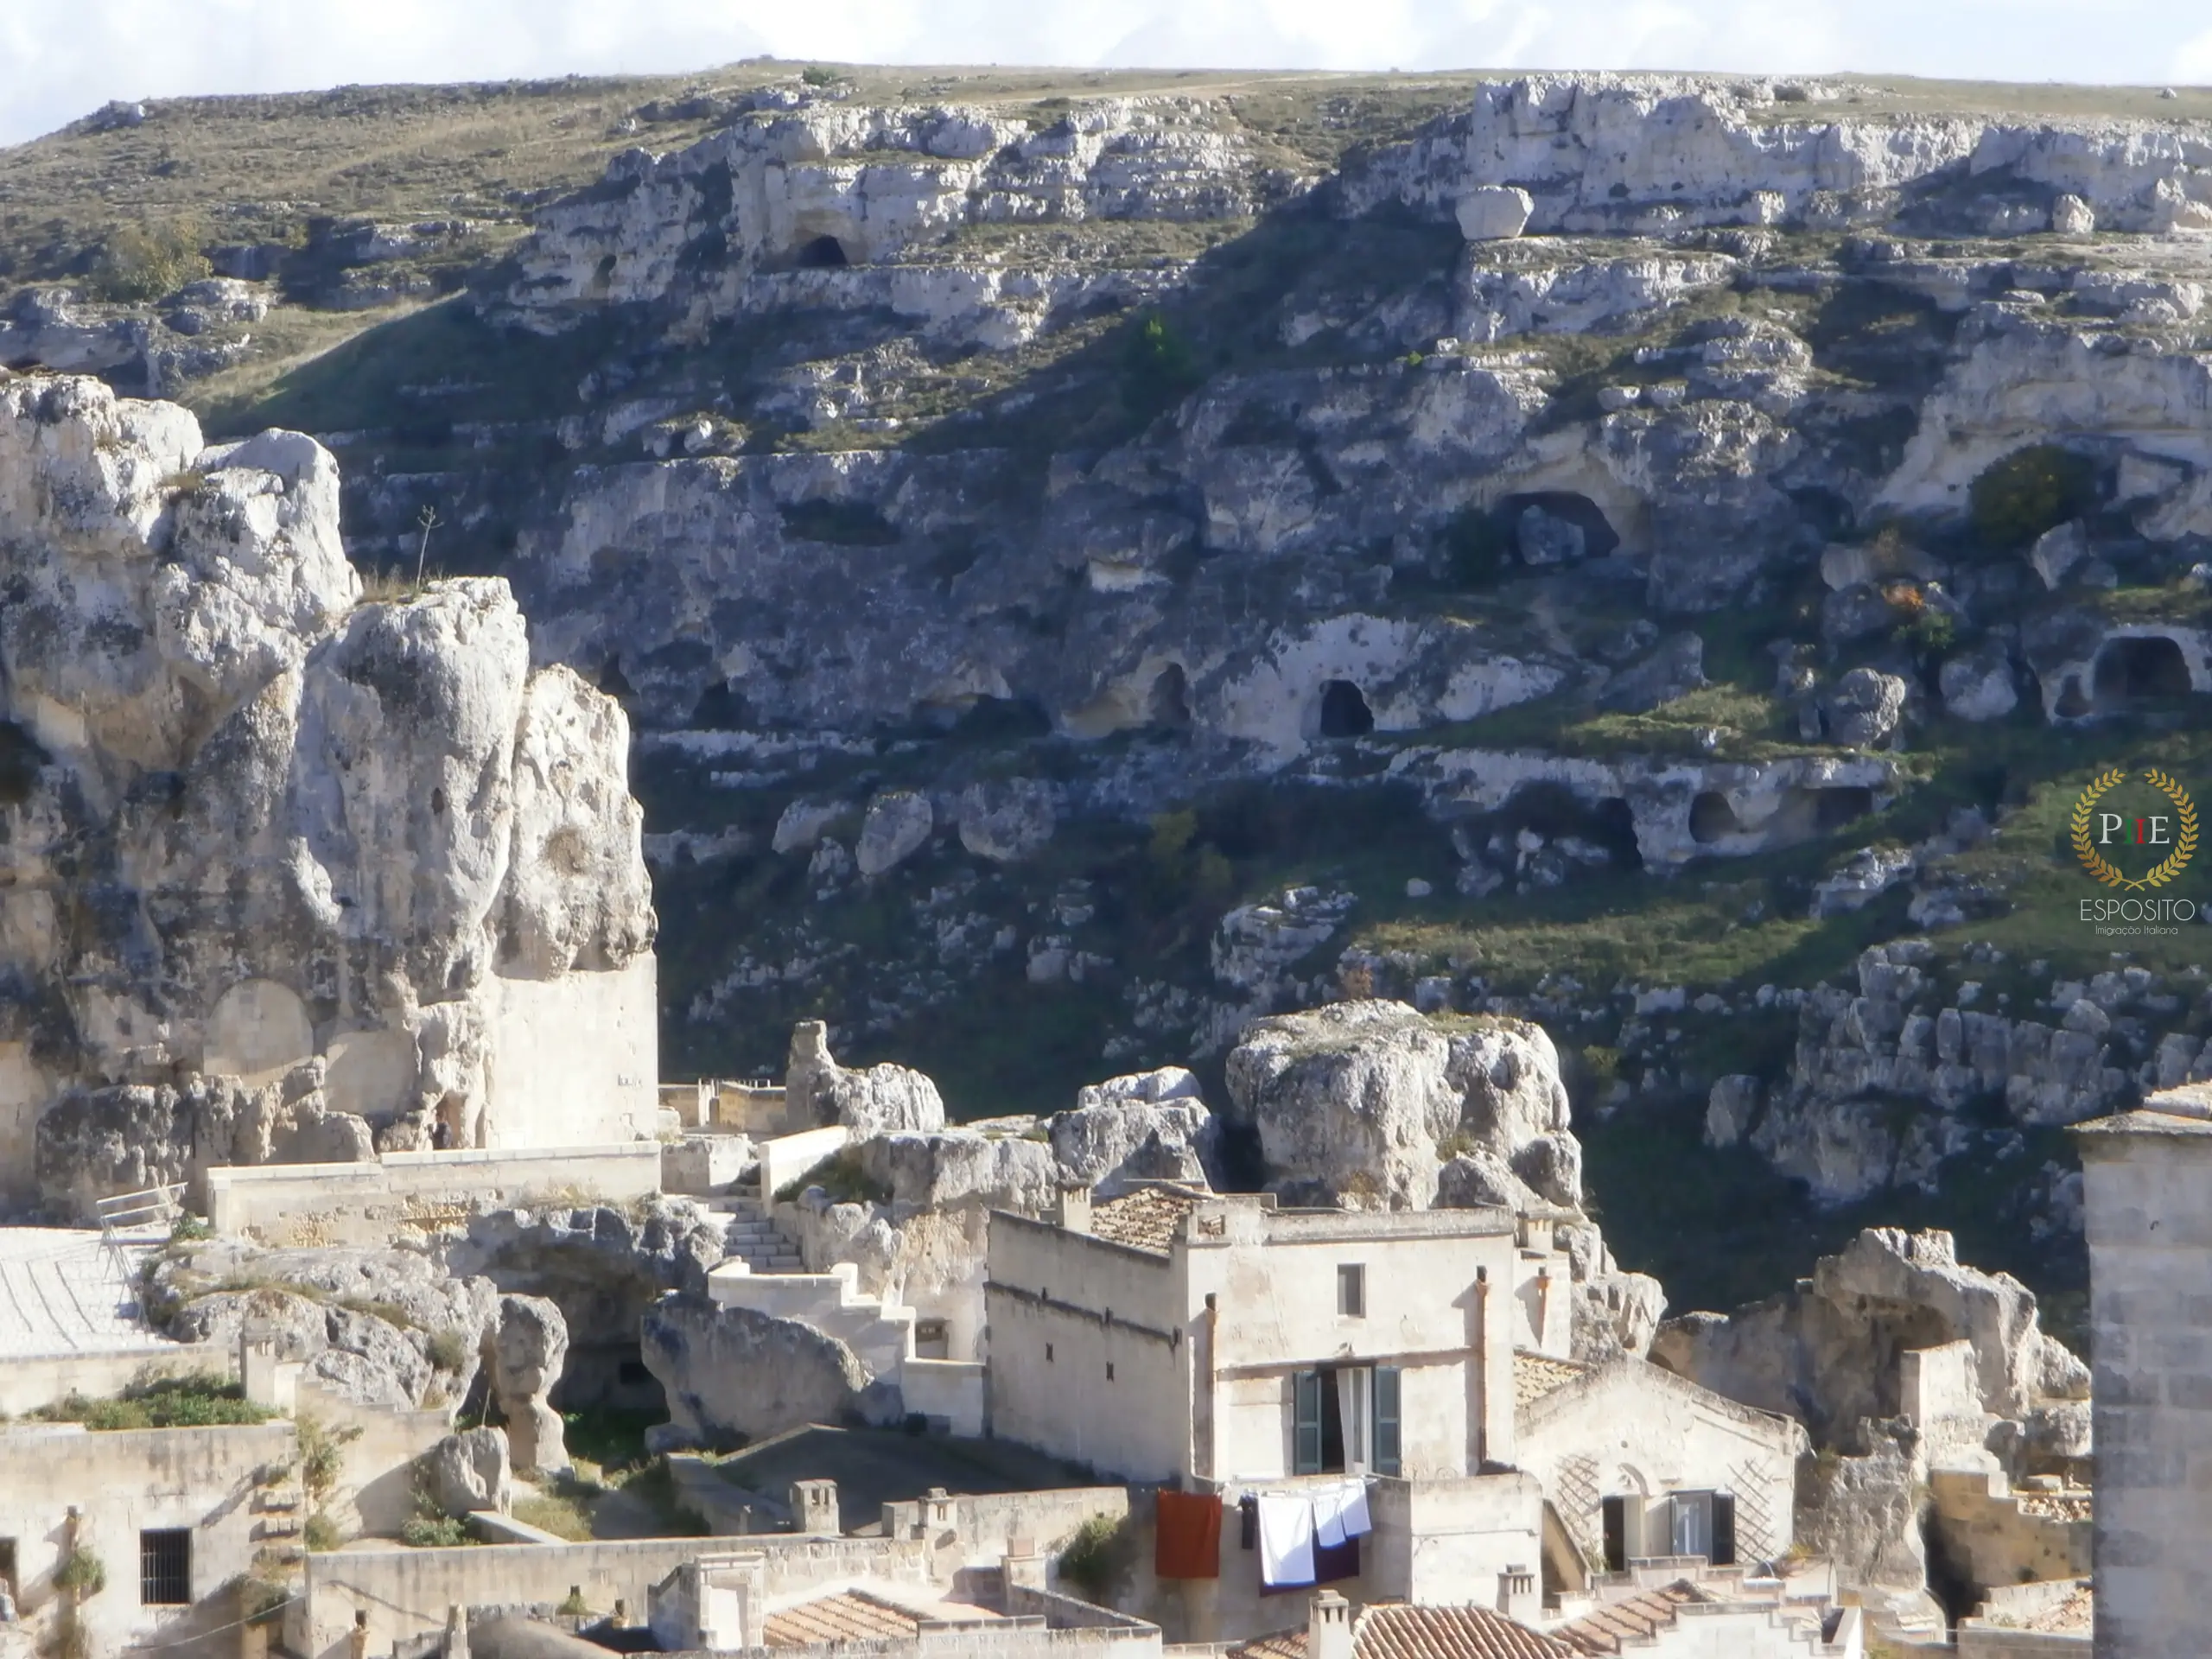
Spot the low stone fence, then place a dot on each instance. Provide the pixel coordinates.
(41, 1379)
(784, 1159)
(989, 1524)
(946, 1390)
(365, 1203)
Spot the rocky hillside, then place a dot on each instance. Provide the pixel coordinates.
(1094, 563)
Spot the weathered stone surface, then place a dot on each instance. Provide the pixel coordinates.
(528, 1349)
(1493, 213)
(1862, 878)
(897, 824)
(734, 1375)
(468, 1472)
(1148, 1127)
(1675, 668)
(954, 1166)
(869, 1100)
(1979, 684)
(1806, 1352)
(1358, 1098)
(380, 796)
(1007, 822)
(1865, 708)
(1730, 1108)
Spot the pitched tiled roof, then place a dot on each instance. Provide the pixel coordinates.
(1535, 1376)
(847, 1615)
(1390, 1631)
(1147, 1219)
(1609, 1630)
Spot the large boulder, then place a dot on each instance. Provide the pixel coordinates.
(1365, 1100)
(1865, 708)
(1149, 1126)
(898, 822)
(735, 1375)
(956, 1166)
(1005, 821)
(1494, 212)
(469, 1471)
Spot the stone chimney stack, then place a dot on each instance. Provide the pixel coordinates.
(1073, 1209)
(1328, 1627)
(814, 1506)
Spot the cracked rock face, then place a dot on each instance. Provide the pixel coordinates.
(262, 823)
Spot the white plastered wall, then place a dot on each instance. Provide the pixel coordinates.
(574, 1061)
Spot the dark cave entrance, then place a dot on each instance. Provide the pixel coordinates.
(2143, 669)
(1344, 712)
(1713, 819)
(823, 253)
(1168, 701)
(1567, 525)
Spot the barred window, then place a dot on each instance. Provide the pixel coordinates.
(165, 1567)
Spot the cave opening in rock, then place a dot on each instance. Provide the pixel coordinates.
(1712, 818)
(1344, 712)
(2141, 669)
(2071, 704)
(1168, 701)
(823, 253)
(1568, 526)
(1836, 806)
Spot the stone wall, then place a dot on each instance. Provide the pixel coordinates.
(365, 1203)
(207, 1480)
(2147, 1184)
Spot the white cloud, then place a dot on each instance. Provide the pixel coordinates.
(59, 59)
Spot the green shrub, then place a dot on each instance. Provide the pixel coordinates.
(435, 1532)
(144, 262)
(83, 1572)
(1097, 1554)
(323, 1534)
(816, 75)
(1157, 364)
(196, 1402)
(322, 1454)
(841, 1177)
(1930, 634)
(2029, 491)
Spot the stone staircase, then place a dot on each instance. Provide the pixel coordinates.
(751, 1237)
(880, 1333)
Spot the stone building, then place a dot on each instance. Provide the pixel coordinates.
(162, 1524)
(2147, 1186)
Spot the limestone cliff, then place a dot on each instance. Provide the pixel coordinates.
(278, 859)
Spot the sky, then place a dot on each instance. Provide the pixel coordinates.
(62, 59)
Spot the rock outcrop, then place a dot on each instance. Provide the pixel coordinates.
(526, 1352)
(468, 1472)
(290, 825)
(1149, 1126)
(1365, 1100)
(735, 1375)
(869, 1100)
(1827, 1352)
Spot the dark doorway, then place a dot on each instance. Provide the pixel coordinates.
(1616, 1524)
(2131, 670)
(1167, 703)
(1344, 712)
(823, 253)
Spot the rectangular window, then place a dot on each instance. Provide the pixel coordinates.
(8, 1568)
(165, 1567)
(1351, 1290)
(1387, 1448)
(1306, 1393)
(1048, 1353)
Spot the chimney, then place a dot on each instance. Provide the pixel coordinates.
(1328, 1627)
(1073, 1211)
(814, 1506)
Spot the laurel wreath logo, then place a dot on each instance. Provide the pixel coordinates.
(2102, 868)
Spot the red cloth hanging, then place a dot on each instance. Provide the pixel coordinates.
(1187, 1536)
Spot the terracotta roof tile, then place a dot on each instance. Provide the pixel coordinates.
(1535, 1376)
(2075, 1615)
(1147, 1219)
(847, 1615)
(1636, 1617)
(1391, 1631)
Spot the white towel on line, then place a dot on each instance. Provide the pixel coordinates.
(1328, 1516)
(1286, 1539)
(1353, 1515)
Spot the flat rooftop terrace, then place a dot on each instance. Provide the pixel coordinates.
(63, 1292)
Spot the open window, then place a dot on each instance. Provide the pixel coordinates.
(1345, 1417)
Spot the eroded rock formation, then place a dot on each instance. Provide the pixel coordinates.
(254, 822)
